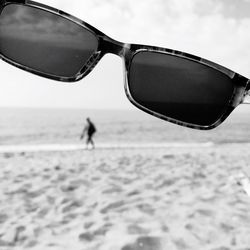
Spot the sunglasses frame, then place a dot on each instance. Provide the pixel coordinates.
(127, 51)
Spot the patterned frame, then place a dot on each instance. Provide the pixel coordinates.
(127, 52)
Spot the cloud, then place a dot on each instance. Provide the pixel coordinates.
(233, 9)
(217, 30)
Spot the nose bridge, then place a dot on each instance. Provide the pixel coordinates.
(109, 45)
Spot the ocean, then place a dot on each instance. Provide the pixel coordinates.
(36, 126)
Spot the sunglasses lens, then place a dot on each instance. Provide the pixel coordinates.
(179, 88)
(43, 41)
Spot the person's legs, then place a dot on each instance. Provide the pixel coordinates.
(90, 140)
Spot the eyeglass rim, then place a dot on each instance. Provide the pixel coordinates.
(240, 85)
(127, 51)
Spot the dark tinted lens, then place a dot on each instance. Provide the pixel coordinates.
(44, 41)
(179, 88)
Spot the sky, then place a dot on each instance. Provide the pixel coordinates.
(218, 30)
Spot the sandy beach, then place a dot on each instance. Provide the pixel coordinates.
(126, 199)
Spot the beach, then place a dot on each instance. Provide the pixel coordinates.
(147, 198)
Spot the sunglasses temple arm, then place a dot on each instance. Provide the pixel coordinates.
(246, 97)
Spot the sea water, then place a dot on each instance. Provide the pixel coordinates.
(26, 126)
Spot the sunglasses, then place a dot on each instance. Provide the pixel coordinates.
(172, 85)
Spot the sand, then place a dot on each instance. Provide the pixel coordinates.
(126, 199)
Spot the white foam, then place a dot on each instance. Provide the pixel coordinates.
(74, 147)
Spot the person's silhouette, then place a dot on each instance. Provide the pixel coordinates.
(89, 129)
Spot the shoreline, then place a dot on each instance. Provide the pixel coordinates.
(55, 147)
(100, 146)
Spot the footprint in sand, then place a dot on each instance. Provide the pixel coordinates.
(112, 206)
(86, 237)
(73, 185)
(14, 235)
(113, 190)
(43, 212)
(146, 208)
(68, 188)
(57, 167)
(137, 230)
(90, 236)
(145, 243)
(72, 206)
(88, 225)
(168, 156)
(124, 161)
(95, 178)
(8, 155)
(3, 218)
(133, 193)
(205, 212)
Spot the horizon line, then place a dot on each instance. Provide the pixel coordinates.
(70, 108)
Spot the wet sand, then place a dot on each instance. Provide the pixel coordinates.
(126, 199)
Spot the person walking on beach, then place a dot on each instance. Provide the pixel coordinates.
(89, 129)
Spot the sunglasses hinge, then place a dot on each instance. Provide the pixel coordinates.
(246, 97)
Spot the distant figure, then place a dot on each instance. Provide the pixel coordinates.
(89, 129)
